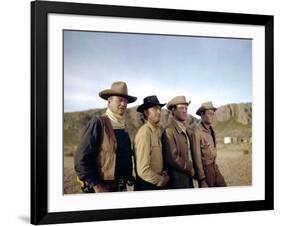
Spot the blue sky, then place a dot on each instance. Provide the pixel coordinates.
(200, 68)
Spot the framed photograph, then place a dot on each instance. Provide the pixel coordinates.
(81, 53)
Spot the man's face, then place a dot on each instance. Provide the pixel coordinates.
(180, 112)
(117, 105)
(208, 117)
(153, 114)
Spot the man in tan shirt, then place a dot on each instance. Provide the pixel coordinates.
(148, 148)
(205, 151)
(176, 141)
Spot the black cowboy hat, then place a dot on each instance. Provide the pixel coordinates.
(149, 102)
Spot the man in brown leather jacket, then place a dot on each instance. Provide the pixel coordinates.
(176, 141)
(204, 147)
(103, 160)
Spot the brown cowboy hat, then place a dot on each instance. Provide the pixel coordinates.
(149, 102)
(117, 89)
(177, 100)
(205, 106)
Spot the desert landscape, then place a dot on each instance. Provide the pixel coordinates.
(233, 125)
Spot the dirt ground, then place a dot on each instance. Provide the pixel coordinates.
(234, 161)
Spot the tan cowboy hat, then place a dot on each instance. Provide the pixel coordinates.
(177, 100)
(117, 89)
(205, 106)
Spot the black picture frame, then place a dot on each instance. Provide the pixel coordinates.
(39, 111)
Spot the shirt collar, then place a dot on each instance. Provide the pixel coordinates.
(117, 121)
(180, 127)
(151, 126)
(205, 129)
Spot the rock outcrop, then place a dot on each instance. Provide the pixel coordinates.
(241, 113)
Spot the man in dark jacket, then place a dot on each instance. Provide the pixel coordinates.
(103, 160)
(176, 141)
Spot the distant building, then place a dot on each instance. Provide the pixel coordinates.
(227, 140)
(235, 140)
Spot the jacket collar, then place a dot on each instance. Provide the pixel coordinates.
(210, 132)
(205, 129)
(176, 125)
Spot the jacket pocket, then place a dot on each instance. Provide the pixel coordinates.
(207, 155)
(206, 150)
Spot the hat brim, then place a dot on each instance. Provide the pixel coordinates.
(201, 109)
(105, 94)
(143, 107)
(170, 106)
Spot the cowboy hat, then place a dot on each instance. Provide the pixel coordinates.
(148, 102)
(205, 106)
(177, 100)
(117, 89)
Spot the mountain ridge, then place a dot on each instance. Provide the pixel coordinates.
(234, 120)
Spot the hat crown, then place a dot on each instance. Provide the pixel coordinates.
(120, 87)
(148, 102)
(177, 100)
(207, 105)
(151, 99)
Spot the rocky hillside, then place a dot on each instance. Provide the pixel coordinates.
(234, 120)
(241, 113)
(230, 120)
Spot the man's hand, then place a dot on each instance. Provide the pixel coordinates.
(203, 184)
(164, 173)
(101, 188)
(166, 179)
(192, 172)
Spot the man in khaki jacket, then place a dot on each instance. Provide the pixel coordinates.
(103, 160)
(176, 141)
(204, 147)
(148, 148)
